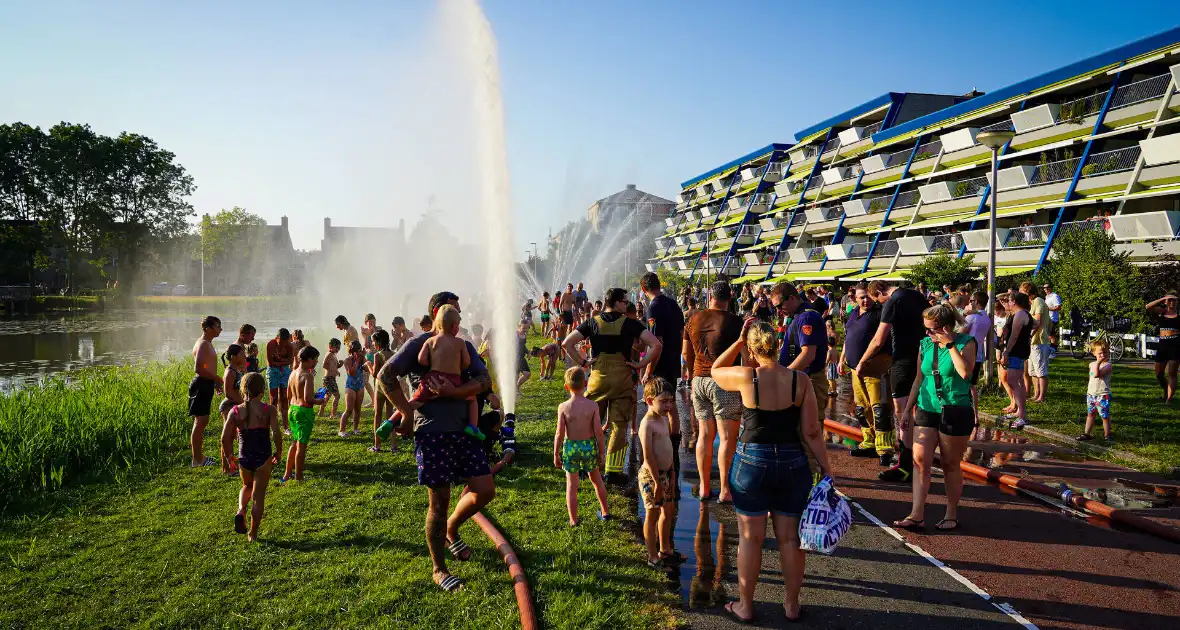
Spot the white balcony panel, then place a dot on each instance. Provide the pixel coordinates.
(693, 215)
(800, 155)
(749, 173)
(683, 263)
(1161, 149)
(1175, 74)
(851, 135)
(977, 240)
(797, 254)
(670, 221)
(737, 203)
(769, 223)
(940, 191)
(914, 245)
(708, 211)
(815, 215)
(858, 207)
(752, 258)
(1036, 117)
(746, 235)
(723, 233)
(1162, 224)
(838, 251)
(874, 163)
(1014, 177)
(836, 175)
(681, 197)
(959, 139)
(697, 237)
(669, 265)
(681, 240)
(760, 204)
(650, 266)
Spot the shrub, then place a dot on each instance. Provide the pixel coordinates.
(1087, 272)
(943, 268)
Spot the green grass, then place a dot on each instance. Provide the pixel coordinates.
(1142, 424)
(345, 548)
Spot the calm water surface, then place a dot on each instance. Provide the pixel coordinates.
(37, 346)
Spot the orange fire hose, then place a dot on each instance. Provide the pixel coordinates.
(524, 599)
(1123, 517)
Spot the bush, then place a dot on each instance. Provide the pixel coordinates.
(942, 268)
(1087, 272)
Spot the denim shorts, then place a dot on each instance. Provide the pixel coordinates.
(770, 478)
(1015, 363)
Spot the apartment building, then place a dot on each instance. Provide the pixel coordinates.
(871, 191)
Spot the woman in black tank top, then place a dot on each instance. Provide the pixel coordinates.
(1167, 349)
(1018, 333)
(770, 474)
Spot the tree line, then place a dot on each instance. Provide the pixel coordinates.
(86, 206)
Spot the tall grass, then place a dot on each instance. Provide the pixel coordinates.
(100, 424)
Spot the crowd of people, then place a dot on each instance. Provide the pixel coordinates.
(755, 370)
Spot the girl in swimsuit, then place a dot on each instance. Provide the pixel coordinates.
(235, 366)
(354, 389)
(255, 424)
(298, 344)
(381, 354)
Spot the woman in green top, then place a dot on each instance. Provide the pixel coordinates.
(940, 403)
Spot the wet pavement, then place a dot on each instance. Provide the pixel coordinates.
(1050, 567)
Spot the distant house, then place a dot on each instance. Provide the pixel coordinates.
(338, 239)
(265, 264)
(631, 204)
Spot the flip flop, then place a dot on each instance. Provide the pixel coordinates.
(457, 548)
(658, 565)
(910, 524)
(374, 449)
(603, 517)
(673, 557)
(939, 525)
(450, 584)
(729, 611)
(240, 523)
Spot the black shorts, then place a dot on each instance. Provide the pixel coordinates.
(200, 396)
(567, 318)
(1167, 351)
(975, 373)
(901, 376)
(955, 420)
(522, 365)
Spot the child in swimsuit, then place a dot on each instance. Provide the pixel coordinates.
(252, 359)
(578, 447)
(332, 365)
(354, 383)
(446, 356)
(235, 368)
(543, 306)
(298, 344)
(831, 367)
(381, 354)
(255, 424)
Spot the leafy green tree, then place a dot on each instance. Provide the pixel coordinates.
(75, 166)
(22, 201)
(227, 231)
(942, 268)
(1087, 272)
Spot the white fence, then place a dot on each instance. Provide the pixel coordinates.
(1134, 344)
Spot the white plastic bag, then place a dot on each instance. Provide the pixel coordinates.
(826, 519)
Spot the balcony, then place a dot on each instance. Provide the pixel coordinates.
(863, 206)
(772, 223)
(746, 234)
(669, 265)
(824, 213)
(651, 266)
(806, 254)
(839, 251)
(704, 189)
(878, 163)
(774, 172)
(698, 237)
(692, 215)
(1159, 225)
(921, 245)
(1115, 161)
(681, 239)
(736, 203)
(1027, 236)
(802, 156)
(836, 174)
(950, 190)
(924, 157)
(977, 240)
(759, 203)
(671, 221)
(684, 263)
(947, 243)
(709, 210)
(907, 199)
(1003, 125)
(1161, 149)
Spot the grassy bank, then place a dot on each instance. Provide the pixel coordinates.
(344, 548)
(1142, 423)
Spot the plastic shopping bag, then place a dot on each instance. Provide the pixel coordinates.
(826, 519)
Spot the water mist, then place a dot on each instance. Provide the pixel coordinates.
(473, 34)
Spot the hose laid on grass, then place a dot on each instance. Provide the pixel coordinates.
(1123, 517)
(524, 597)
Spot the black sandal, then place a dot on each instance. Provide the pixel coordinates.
(450, 584)
(939, 525)
(729, 611)
(457, 548)
(910, 525)
(240, 523)
(673, 557)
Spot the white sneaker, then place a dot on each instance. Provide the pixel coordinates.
(1017, 424)
(342, 434)
(287, 432)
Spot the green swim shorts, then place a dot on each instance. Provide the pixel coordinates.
(579, 456)
(301, 420)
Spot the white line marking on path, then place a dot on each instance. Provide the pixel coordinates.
(1003, 607)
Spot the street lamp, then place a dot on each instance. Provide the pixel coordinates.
(994, 140)
(535, 255)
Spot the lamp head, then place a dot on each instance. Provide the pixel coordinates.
(994, 140)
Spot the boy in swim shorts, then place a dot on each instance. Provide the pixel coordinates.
(301, 415)
(332, 365)
(656, 481)
(578, 446)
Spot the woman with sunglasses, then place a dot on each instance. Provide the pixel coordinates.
(1167, 351)
(941, 405)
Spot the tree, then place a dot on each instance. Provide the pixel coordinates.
(1087, 272)
(227, 231)
(22, 199)
(75, 165)
(942, 268)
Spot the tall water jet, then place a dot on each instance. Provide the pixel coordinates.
(473, 34)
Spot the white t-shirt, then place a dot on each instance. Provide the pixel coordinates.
(1053, 301)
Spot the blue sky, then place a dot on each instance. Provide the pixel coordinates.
(350, 110)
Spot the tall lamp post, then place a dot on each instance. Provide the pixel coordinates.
(536, 254)
(994, 140)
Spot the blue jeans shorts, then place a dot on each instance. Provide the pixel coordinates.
(1015, 363)
(770, 478)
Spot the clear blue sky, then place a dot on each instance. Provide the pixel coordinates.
(314, 109)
